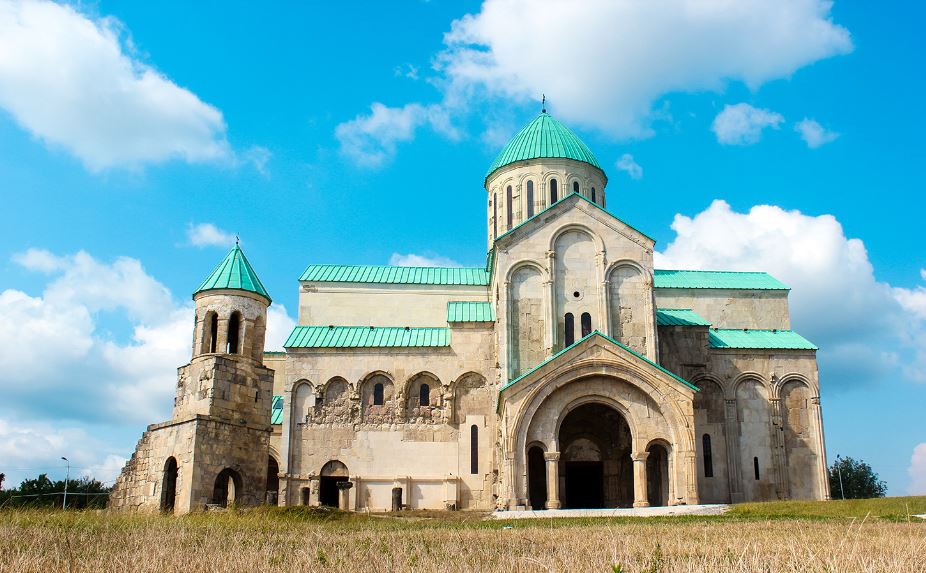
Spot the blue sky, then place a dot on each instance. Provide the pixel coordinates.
(360, 133)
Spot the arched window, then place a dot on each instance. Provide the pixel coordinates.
(553, 192)
(530, 199)
(508, 206)
(378, 392)
(570, 329)
(495, 215)
(234, 327)
(424, 395)
(708, 456)
(593, 195)
(473, 449)
(212, 323)
(755, 467)
(575, 186)
(586, 324)
(169, 485)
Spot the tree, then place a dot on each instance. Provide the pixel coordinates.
(858, 480)
(43, 492)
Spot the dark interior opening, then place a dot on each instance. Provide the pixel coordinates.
(536, 478)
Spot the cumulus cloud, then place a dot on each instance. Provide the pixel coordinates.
(814, 134)
(630, 166)
(370, 140)
(279, 325)
(413, 260)
(208, 235)
(917, 471)
(834, 293)
(742, 124)
(70, 81)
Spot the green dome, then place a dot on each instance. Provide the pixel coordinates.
(544, 138)
(236, 273)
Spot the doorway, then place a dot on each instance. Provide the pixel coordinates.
(536, 478)
(657, 476)
(332, 473)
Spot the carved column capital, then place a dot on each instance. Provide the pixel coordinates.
(639, 457)
(551, 456)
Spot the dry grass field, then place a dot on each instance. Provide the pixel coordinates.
(869, 535)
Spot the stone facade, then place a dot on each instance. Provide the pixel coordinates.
(568, 392)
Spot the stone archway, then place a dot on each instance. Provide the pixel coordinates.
(169, 485)
(332, 473)
(536, 478)
(595, 464)
(657, 475)
(227, 488)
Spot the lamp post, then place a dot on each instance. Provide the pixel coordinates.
(67, 478)
(842, 491)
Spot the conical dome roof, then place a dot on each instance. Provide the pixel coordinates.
(544, 137)
(234, 272)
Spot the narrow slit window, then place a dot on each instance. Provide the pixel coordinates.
(708, 456)
(569, 321)
(378, 392)
(594, 198)
(755, 467)
(586, 324)
(575, 186)
(530, 199)
(508, 201)
(213, 331)
(234, 327)
(474, 449)
(495, 216)
(553, 192)
(424, 395)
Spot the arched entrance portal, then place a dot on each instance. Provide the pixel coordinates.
(227, 487)
(536, 478)
(169, 485)
(332, 473)
(657, 475)
(595, 464)
(273, 480)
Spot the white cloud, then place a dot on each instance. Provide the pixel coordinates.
(258, 157)
(628, 164)
(742, 124)
(38, 260)
(814, 134)
(370, 140)
(413, 260)
(917, 471)
(208, 235)
(279, 325)
(69, 80)
(858, 322)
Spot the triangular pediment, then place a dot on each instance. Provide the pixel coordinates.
(596, 345)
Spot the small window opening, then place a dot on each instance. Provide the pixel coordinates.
(378, 392)
(708, 456)
(234, 326)
(495, 215)
(530, 199)
(570, 329)
(755, 467)
(424, 395)
(213, 331)
(473, 449)
(593, 195)
(575, 186)
(586, 324)
(553, 192)
(508, 200)
(576, 294)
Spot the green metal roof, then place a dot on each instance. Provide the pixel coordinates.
(716, 280)
(758, 339)
(234, 272)
(276, 410)
(470, 312)
(544, 137)
(366, 337)
(609, 339)
(679, 317)
(383, 274)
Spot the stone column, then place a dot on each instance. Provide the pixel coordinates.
(640, 498)
(823, 480)
(779, 453)
(551, 302)
(221, 337)
(344, 495)
(731, 433)
(553, 501)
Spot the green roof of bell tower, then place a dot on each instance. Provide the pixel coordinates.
(235, 273)
(544, 137)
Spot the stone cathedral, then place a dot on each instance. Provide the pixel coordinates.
(565, 373)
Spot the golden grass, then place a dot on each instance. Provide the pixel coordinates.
(291, 540)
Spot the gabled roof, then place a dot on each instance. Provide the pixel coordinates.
(470, 312)
(366, 337)
(609, 339)
(679, 317)
(383, 274)
(716, 280)
(236, 273)
(758, 339)
(544, 137)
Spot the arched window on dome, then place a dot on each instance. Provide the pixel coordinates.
(570, 324)
(508, 202)
(575, 186)
(586, 324)
(530, 199)
(495, 215)
(594, 198)
(553, 192)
